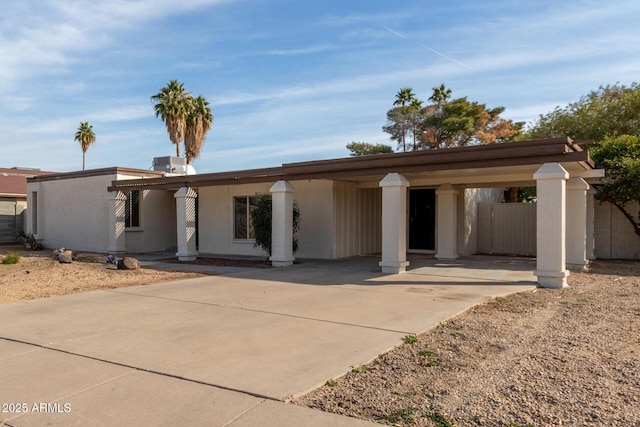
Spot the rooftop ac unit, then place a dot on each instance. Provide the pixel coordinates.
(170, 164)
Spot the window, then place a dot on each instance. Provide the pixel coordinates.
(132, 209)
(242, 223)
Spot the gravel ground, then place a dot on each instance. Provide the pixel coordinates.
(38, 275)
(566, 357)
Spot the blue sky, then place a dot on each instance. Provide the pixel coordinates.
(288, 80)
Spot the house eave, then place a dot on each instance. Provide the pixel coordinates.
(561, 150)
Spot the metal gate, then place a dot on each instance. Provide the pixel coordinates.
(8, 221)
(507, 228)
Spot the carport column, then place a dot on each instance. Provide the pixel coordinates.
(551, 225)
(281, 224)
(577, 224)
(394, 223)
(117, 207)
(186, 224)
(447, 210)
(591, 224)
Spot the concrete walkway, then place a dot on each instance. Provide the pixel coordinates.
(225, 350)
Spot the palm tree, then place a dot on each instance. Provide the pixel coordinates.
(199, 122)
(85, 137)
(172, 105)
(403, 97)
(440, 94)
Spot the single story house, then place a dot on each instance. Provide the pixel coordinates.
(13, 200)
(388, 204)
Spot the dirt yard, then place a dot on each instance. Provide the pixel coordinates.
(38, 275)
(566, 357)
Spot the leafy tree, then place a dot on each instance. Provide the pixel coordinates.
(610, 116)
(460, 122)
(364, 149)
(448, 123)
(261, 222)
(172, 105)
(199, 121)
(397, 126)
(609, 111)
(620, 157)
(85, 136)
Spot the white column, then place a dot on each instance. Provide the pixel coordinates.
(117, 216)
(577, 224)
(551, 225)
(186, 224)
(591, 225)
(394, 223)
(447, 222)
(281, 224)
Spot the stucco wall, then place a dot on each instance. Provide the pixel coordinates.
(215, 219)
(614, 235)
(314, 198)
(73, 213)
(158, 223)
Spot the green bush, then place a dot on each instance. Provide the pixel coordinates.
(11, 258)
(261, 222)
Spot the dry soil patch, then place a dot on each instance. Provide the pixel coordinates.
(38, 275)
(546, 357)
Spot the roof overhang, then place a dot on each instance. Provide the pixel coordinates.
(466, 162)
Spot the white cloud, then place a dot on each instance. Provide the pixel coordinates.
(53, 40)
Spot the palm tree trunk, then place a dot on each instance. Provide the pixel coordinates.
(83, 159)
(178, 150)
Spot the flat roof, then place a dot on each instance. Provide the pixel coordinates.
(96, 172)
(533, 152)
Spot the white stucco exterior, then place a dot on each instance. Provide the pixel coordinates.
(73, 211)
(388, 205)
(337, 219)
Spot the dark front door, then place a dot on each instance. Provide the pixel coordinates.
(422, 219)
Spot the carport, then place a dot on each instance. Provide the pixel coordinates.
(559, 168)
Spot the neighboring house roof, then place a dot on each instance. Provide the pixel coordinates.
(13, 181)
(460, 163)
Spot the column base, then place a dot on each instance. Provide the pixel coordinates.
(447, 256)
(578, 266)
(389, 267)
(187, 256)
(552, 279)
(281, 262)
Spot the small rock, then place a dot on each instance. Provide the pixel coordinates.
(66, 257)
(128, 263)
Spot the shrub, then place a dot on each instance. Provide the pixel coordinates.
(11, 258)
(261, 222)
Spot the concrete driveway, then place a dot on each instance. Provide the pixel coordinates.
(225, 350)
